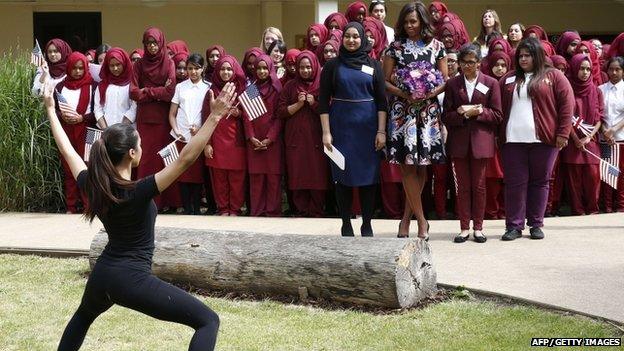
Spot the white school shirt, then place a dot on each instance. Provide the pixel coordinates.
(389, 35)
(117, 105)
(190, 98)
(614, 105)
(470, 87)
(37, 87)
(521, 125)
(73, 97)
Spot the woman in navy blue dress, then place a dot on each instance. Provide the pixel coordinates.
(352, 105)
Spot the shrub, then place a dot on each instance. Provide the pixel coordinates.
(30, 171)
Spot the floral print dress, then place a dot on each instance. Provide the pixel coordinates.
(414, 130)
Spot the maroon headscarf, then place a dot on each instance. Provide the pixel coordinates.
(549, 49)
(617, 46)
(177, 58)
(290, 59)
(272, 84)
(380, 45)
(58, 69)
(320, 30)
(560, 60)
(445, 15)
(238, 78)
(311, 85)
(336, 35)
(92, 54)
(338, 17)
(593, 59)
(454, 27)
(539, 31)
(138, 51)
(84, 83)
(564, 41)
(320, 50)
(108, 78)
(209, 69)
(585, 92)
(372, 22)
(493, 57)
(154, 68)
(178, 46)
(506, 46)
(256, 52)
(353, 10)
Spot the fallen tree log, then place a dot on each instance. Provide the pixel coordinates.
(371, 271)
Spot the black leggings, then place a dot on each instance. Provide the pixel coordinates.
(143, 292)
(344, 198)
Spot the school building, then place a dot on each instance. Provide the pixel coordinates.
(238, 24)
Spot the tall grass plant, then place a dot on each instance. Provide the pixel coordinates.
(30, 171)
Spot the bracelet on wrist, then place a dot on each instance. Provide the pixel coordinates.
(381, 132)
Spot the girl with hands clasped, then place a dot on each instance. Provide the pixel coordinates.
(122, 274)
(306, 165)
(264, 146)
(185, 120)
(112, 96)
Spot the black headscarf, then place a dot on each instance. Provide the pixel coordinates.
(355, 59)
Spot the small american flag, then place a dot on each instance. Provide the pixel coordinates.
(36, 56)
(92, 135)
(169, 153)
(608, 166)
(583, 127)
(252, 102)
(64, 106)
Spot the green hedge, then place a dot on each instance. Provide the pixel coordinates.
(30, 171)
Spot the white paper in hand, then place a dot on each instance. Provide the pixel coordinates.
(336, 156)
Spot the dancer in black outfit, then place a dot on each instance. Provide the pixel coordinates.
(122, 274)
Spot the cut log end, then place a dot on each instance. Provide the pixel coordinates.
(415, 275)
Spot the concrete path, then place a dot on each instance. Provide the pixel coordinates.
(578, 266)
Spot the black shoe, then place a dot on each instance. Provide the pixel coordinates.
(346, 230)
(511, 234)
(479, 238)
(460, 239)
(366, 230)
(536, 233)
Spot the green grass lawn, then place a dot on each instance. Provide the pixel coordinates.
(38, 296)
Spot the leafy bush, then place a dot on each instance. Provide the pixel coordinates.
(30, 171)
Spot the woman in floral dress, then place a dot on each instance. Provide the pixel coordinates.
(414, 130)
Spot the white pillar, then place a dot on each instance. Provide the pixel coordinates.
(323, 8)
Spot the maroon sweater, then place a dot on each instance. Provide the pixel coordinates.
(553, 106)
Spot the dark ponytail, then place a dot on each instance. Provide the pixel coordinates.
(102, 176)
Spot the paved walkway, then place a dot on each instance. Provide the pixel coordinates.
(579, 266)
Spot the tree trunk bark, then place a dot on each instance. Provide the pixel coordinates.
(371, 271)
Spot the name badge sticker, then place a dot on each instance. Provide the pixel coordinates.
(368, 70)
(510, 80)
(482, 88)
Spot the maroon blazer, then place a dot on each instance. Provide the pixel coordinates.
(477, 132)
(553, 106)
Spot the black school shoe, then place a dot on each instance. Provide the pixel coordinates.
(536, 233)
(460, 238)
(511, 234)
(479, 238)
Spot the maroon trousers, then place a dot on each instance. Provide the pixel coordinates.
(309, 203)
(470, 174)
(614, 199)
(229, 190)
(556, 187)
(494, 198)
(440, 186)
(265, 194)
(583, 184)
(393, 199)
(76, 134)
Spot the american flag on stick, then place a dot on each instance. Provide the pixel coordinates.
(252, 103)
(608, 172)
(169, 153)
(36, 56)
(92, 135)
(64, 106)
(583, 127)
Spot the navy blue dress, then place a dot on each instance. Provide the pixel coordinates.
(353, 123)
